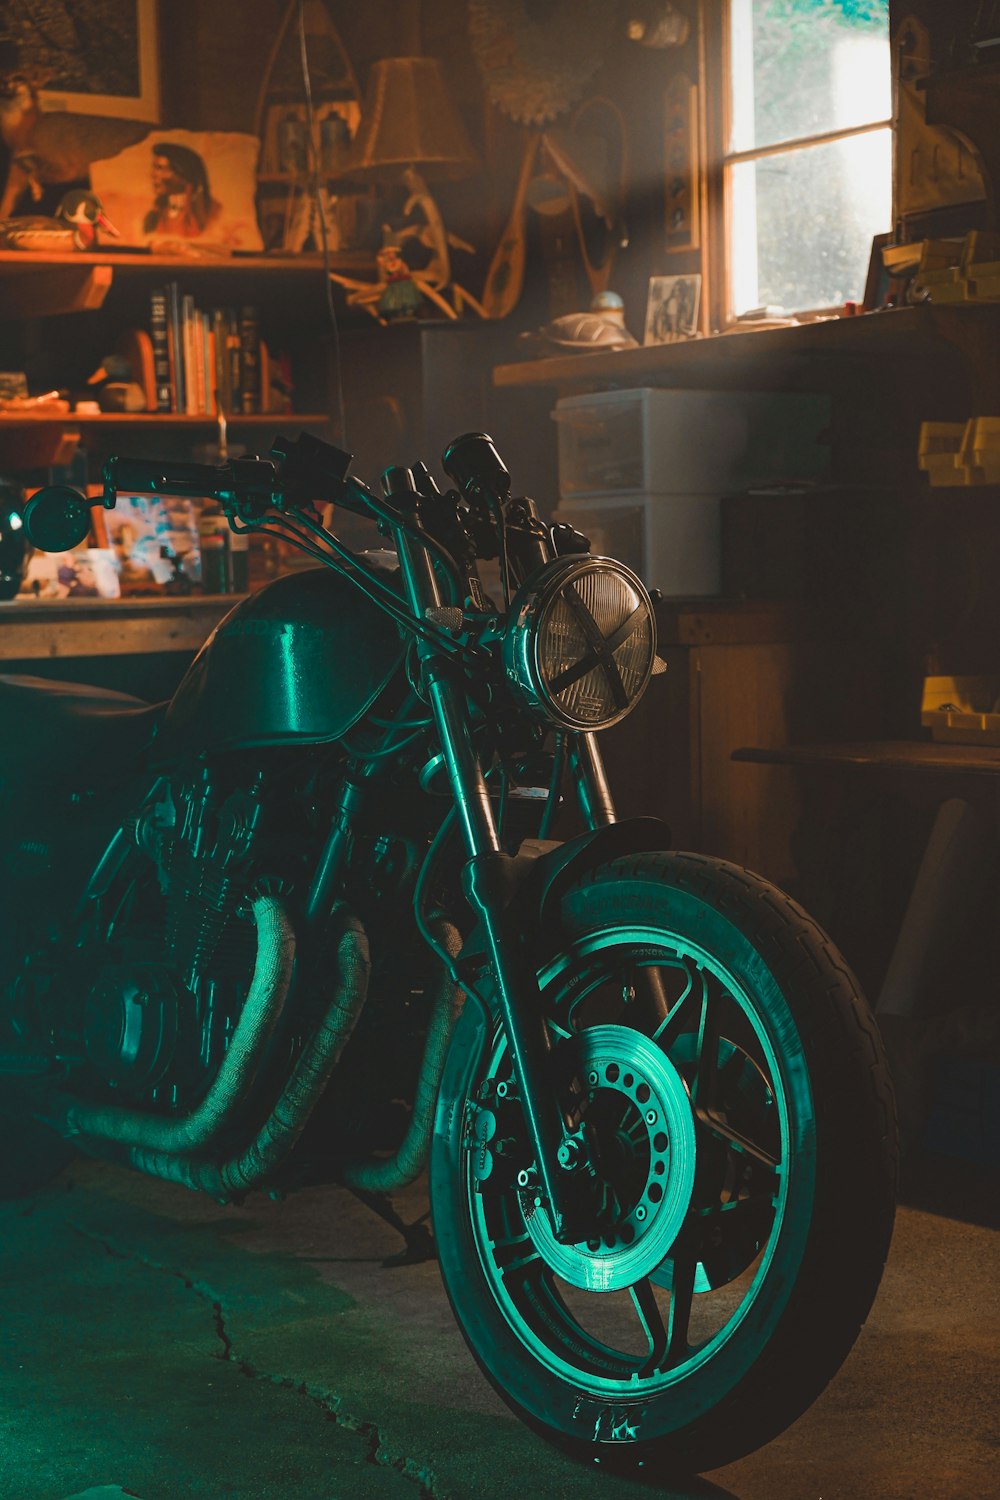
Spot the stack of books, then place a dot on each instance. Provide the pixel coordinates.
(205, 362)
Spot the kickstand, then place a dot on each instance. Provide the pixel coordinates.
(418, 1239)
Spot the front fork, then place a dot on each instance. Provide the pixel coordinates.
(489, 881)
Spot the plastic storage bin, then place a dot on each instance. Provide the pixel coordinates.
(688, 442)
(671, 541)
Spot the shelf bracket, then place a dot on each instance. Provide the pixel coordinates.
(54, 289)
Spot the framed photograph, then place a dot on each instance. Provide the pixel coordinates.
(94, 57)
(672, 309)
(146, 533)
(85, 573)
(285, 143)
(178, 190)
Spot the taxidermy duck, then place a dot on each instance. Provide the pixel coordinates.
(74, 226)
(113, 384)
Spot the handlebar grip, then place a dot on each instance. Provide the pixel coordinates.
(154, 477)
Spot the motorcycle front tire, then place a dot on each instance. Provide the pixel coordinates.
(740, 1128)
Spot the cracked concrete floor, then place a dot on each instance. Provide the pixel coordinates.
(152, 1340)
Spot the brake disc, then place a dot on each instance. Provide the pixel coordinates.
(637, 1138)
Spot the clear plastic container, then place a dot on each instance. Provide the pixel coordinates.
(653, 441)
(671, 541)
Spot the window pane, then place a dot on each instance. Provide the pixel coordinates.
(804, 67)
(803, 221)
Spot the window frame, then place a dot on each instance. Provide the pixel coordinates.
(716, 47)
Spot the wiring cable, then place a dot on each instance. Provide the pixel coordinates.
(321, 219)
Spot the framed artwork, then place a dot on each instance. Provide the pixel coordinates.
(93, 57)
(142, 528)
(682, 175)
(181, 189)
(672, 309)
(84, 573)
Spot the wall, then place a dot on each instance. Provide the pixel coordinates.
(213, 58)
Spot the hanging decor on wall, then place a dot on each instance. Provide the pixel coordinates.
(537, 60)
(681, 146)
(183, 192)
(97, 57)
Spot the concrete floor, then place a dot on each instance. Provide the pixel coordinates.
(155, 1344)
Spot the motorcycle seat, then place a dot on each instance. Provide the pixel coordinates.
(66, 733)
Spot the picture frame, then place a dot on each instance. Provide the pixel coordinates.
(681, 165)
(672, 308)
(101, 56)
(879, 282)
(84, 572)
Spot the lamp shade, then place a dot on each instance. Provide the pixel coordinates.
(408, 119)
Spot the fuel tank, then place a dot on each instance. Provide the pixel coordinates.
(300, 661)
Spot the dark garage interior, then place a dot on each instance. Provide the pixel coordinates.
(498, 941)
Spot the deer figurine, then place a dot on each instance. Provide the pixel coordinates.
(52, 147)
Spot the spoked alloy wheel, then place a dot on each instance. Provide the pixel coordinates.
(731, 1118)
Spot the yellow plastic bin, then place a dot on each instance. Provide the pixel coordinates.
(981, 447)
(939, 453)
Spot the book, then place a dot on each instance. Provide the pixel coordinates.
(222, 384)
(175, 344)
(189, 355)
(233, 350)
(161, 352)
(249, 334)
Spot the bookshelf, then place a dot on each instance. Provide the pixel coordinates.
(62, 314)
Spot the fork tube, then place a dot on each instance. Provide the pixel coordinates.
(491, 887)
(587, 762)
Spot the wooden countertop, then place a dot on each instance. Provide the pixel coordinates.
(882, 755)
(38, 628)
(722, 361)
(35, 629)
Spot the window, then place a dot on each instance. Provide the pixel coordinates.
(808, 165)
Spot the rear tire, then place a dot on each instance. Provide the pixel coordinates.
(736, 1109)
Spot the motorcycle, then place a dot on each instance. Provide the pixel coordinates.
(240, 926)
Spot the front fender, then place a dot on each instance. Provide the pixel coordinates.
(555, 870)
(542, 871)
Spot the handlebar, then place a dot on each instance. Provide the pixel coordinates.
(298, 473)
(154, 477)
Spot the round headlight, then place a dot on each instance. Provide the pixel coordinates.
(581, 642)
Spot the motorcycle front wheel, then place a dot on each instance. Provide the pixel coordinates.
(727, 1098)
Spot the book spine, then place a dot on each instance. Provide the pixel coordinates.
(198, 350)
(220, 375)
(249, 360)
(211, 385)
(161, 351)
(190, 355)
(233, 354)
(176, 345)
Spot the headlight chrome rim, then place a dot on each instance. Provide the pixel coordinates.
(527, 640)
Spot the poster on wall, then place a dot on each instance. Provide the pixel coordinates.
(92, 57)
(183, 189)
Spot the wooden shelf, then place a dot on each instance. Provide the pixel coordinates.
(18, 262)
(774, 355)
(12, 421)
(882, 755)
(34, 285)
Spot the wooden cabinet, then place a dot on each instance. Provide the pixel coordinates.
(732, 673)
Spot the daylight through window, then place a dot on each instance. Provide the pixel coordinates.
(809, 160)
